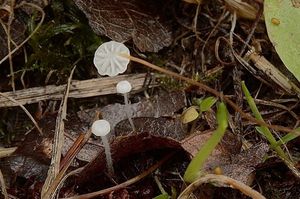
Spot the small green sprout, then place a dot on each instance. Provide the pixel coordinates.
(263, 130)
(194, 168)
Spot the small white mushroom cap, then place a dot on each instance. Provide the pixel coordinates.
(100, 128)
(107, 58)
(124, 87)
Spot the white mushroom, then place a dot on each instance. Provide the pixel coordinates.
(102, 128)
(107, 58)
(124, 87)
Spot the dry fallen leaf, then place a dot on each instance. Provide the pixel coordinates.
(164, 104)
(122, 148)
(121, 21)
(239, 166)
(17, 35)
(162, 126)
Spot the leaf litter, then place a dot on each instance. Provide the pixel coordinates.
(142, 21)
(39, 147)
(162, 126)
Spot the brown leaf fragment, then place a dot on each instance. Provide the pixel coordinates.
(164, 104)
(162, 126)
(124, 147)
(17, 35)
(121, 21)
(239, 166)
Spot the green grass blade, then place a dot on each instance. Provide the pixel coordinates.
(288, 137)
(266, 132)
(194, 169)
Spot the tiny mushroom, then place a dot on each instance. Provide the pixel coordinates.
(107, 58)
(102, 128)
(124, 87)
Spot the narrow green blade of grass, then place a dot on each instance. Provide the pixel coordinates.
(194, 168)
(262, 129)
(267, 133)
(288, 137)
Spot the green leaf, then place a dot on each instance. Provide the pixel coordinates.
(288, 137)
(162, 196)
(194, 168)
(207, 103)
(189, 115)
(282, 21)
(267, 133)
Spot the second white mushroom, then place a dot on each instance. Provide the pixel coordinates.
(124, 87)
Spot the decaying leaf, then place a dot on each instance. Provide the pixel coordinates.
(121, 21)
(17, 35)
(18, 25)
(162, 126)
(164, 104)
(238, 165)
(124, 147)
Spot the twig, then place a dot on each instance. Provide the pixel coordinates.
(24, 109)
(5, 152)
(58, 143)
(78, 89)
(10, 20)
(124, 184)
(221, 180)
(3, 186)
(212, 91)
(223, 16)
(254, 25)
(33, 32)
(236, 81)
(66, 162)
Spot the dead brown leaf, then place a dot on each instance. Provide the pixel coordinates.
(239, 166)
(121, 21)
(164, 104)
(122, 148)
(162, 126)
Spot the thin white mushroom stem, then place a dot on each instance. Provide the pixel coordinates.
(102, 128)
(124, 87)
(107, 152)
(126, 101)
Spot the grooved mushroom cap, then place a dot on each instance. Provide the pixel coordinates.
(107, 58)
(124, 87)
(100, 128)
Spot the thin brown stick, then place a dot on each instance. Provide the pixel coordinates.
(58, 143)
(23, 3)
(5, 152)
(78, 89)
(24, 109)
(221, 180)
(124, 184)
(253, 28)
(66, 162)
(212, 91)
(3, 186)
(10, 20)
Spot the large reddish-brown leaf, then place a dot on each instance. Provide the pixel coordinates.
(239, 165)
(122, 20)
(122, 148)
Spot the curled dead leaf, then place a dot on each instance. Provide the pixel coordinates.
(141, 21)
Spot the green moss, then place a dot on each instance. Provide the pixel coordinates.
(64, 38)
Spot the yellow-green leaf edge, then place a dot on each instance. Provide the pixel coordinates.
(282, 18)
